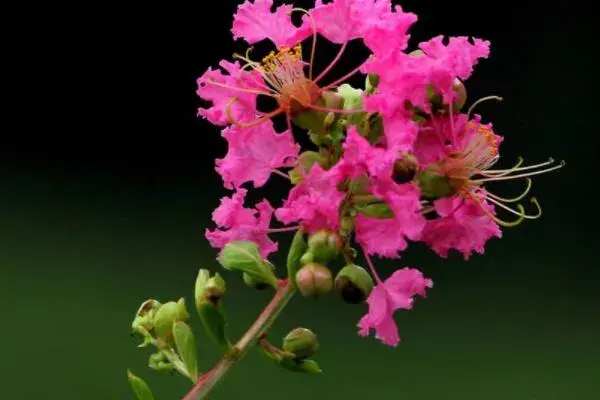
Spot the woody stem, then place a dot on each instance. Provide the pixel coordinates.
(206, 383)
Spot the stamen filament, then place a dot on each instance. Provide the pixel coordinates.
(515, 168)
(497, 220)
(333, 63)
(314, 39)
(258, 121)
(470, 111)
(502, 172)
(513, 199)
(278, 172)
(343, 78)
(504, 178)
(533, 200)
(286, 229)
(238, 88)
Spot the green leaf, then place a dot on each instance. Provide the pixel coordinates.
(139, 387)
(186, 347)
(375, 210)
(214, 323)
(371, 83)
(244, 256)
(297, 250)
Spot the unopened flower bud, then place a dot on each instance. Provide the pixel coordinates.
(159, 362)
(208, 289)
(314, 279)
(301, 342)
(144, 318)
(325, 245)
(354, 284)
(166, 316)
(461, 92)
(405, 169)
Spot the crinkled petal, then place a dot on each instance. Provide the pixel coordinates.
(254, 22)
(395, 293)
(239, 223)
(315, 202)
(237, 81)
(462, 226)
(383, 30)
(361, 157)
(254, 153)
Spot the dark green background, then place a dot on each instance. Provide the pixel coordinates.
(109, 208)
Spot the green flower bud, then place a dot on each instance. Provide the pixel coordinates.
(434, 185)
(325, 245)
(354, 284)
(166, 316)
(301, 342)
(314, 279)
(144, 317)
(405, 169)
(159, 362)
(208, 289)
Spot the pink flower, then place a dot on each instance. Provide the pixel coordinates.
(387, 237)
(361, 157)
(405, 78)
(383, 30)
(462, 226)
(315, 202)
(234, 84)
(254, 22)
(239, 223)
(395, 293)
(254, 153)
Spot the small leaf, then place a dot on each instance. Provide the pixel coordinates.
(375, 210)
(244, 256)
(186, 347)
(297, 250)
(139, 387)
(214, 324)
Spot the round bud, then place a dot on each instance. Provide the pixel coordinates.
(354, 284)
(314, 279)
(166, 316)
(301, 342)
(405, 169)
(325, 245)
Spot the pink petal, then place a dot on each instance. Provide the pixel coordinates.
(462, 226)
(395, 293)
(254, 22)
(384, 30)
(314, 202)
(361, 157)
(254, 153)
(239, 223)
(244, 109)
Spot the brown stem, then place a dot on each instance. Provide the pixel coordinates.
(208, 381)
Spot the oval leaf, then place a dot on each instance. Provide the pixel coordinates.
(244, 256)
(186, 347)
(214, 324)
(297, 250)
(139, 387)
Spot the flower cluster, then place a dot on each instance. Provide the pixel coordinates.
(396, 162)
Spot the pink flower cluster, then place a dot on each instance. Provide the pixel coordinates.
(446, 154)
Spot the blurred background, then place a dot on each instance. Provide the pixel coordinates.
(108, 184)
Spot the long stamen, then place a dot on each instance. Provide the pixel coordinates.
(314, 39)
(257, 67)
(286, 229)
(504, 178)
(513, 199)
(333, 63)
(470, 111)
(239, 89)
(278, 172)
(258, 121)
(501, 172)
(343, 78)
(533, 200)
(371, 267)
(493, 217)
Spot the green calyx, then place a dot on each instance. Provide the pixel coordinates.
(167, 315)
(354, 284)
(301, 342)
(434, 185)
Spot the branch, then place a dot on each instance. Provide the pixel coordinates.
(208, 381)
